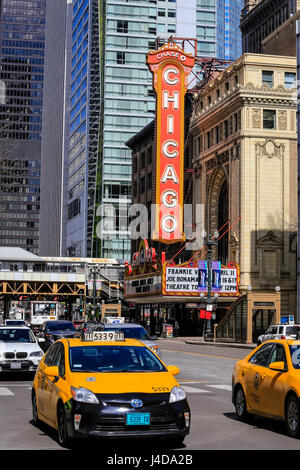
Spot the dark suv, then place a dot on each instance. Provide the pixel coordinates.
(56, 329)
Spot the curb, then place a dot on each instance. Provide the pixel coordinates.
(228, 345)
(201, 342)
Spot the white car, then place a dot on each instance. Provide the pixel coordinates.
(19, 349)
(280, 331)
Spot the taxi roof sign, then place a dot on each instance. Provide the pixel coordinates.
(103, 336)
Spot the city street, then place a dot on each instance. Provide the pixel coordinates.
(206, 376)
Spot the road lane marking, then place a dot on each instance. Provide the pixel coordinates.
(194, 390)
(4, 391)
(221, 387)
(187, 381)
(201, 354)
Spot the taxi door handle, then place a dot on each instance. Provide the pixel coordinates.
(244, 371)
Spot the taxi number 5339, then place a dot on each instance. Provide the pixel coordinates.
(160, 389)
(104, 336)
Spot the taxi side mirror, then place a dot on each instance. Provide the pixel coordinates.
(279, 366)
(51, 371)
(174, 370)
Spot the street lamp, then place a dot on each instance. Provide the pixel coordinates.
(209, 243)
(94, 272)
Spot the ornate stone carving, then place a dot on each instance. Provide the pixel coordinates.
(250, 86)
(234, 241)
(265, 87)
(269, 149)
(256, 118)
(235, 151)
(269, 239)
(281, 89)
(282, 120)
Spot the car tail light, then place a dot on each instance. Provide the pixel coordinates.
(282, 337)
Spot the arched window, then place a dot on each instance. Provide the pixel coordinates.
(222, 219)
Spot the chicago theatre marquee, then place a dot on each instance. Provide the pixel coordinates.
(243, 148)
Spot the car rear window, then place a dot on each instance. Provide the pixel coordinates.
(131, 332)
(53, 326)
(291, 330)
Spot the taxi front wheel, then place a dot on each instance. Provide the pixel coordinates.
(63, 437)
(292, 416)
(35, 418)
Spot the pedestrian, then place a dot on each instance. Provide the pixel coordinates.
(176, 328)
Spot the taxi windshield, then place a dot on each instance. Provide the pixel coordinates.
(114, 359)
(295, 355)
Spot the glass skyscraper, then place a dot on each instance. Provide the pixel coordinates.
(22, 41)
(229, 38)
(111, 100)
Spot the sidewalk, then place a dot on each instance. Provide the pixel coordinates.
(200, 340)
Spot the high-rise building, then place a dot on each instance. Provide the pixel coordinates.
(55, 142)
(229, 42)
(22, 41)
(260, 18)
(111, 100)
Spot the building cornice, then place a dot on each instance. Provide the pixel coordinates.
(241, 96)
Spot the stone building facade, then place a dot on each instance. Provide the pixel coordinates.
(260, 18)
(245, 161)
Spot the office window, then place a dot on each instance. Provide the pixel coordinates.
(121, 57)
(269, 119)
(267, 78)
(150, 156)
(74, 208)
(122, 26)
(143, 160)
(149, 180)
(289, 80)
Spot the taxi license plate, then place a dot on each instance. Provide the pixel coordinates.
(136, 419)
(15, 365)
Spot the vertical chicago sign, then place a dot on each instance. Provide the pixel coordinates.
(170, 66)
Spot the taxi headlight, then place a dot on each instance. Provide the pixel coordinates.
(36, 354)
(83, 395)
(177, 394)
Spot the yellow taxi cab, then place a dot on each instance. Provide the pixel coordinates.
(108, 386)
(267, 383)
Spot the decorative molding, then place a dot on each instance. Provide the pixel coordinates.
(282, 120)
(269, 239)
(256, 118)
(265, 88)
(235, 151)
(234, 241)
(269, 149)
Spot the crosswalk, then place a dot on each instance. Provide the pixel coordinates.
(192, 387)
(189, 387)
(11, 389)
